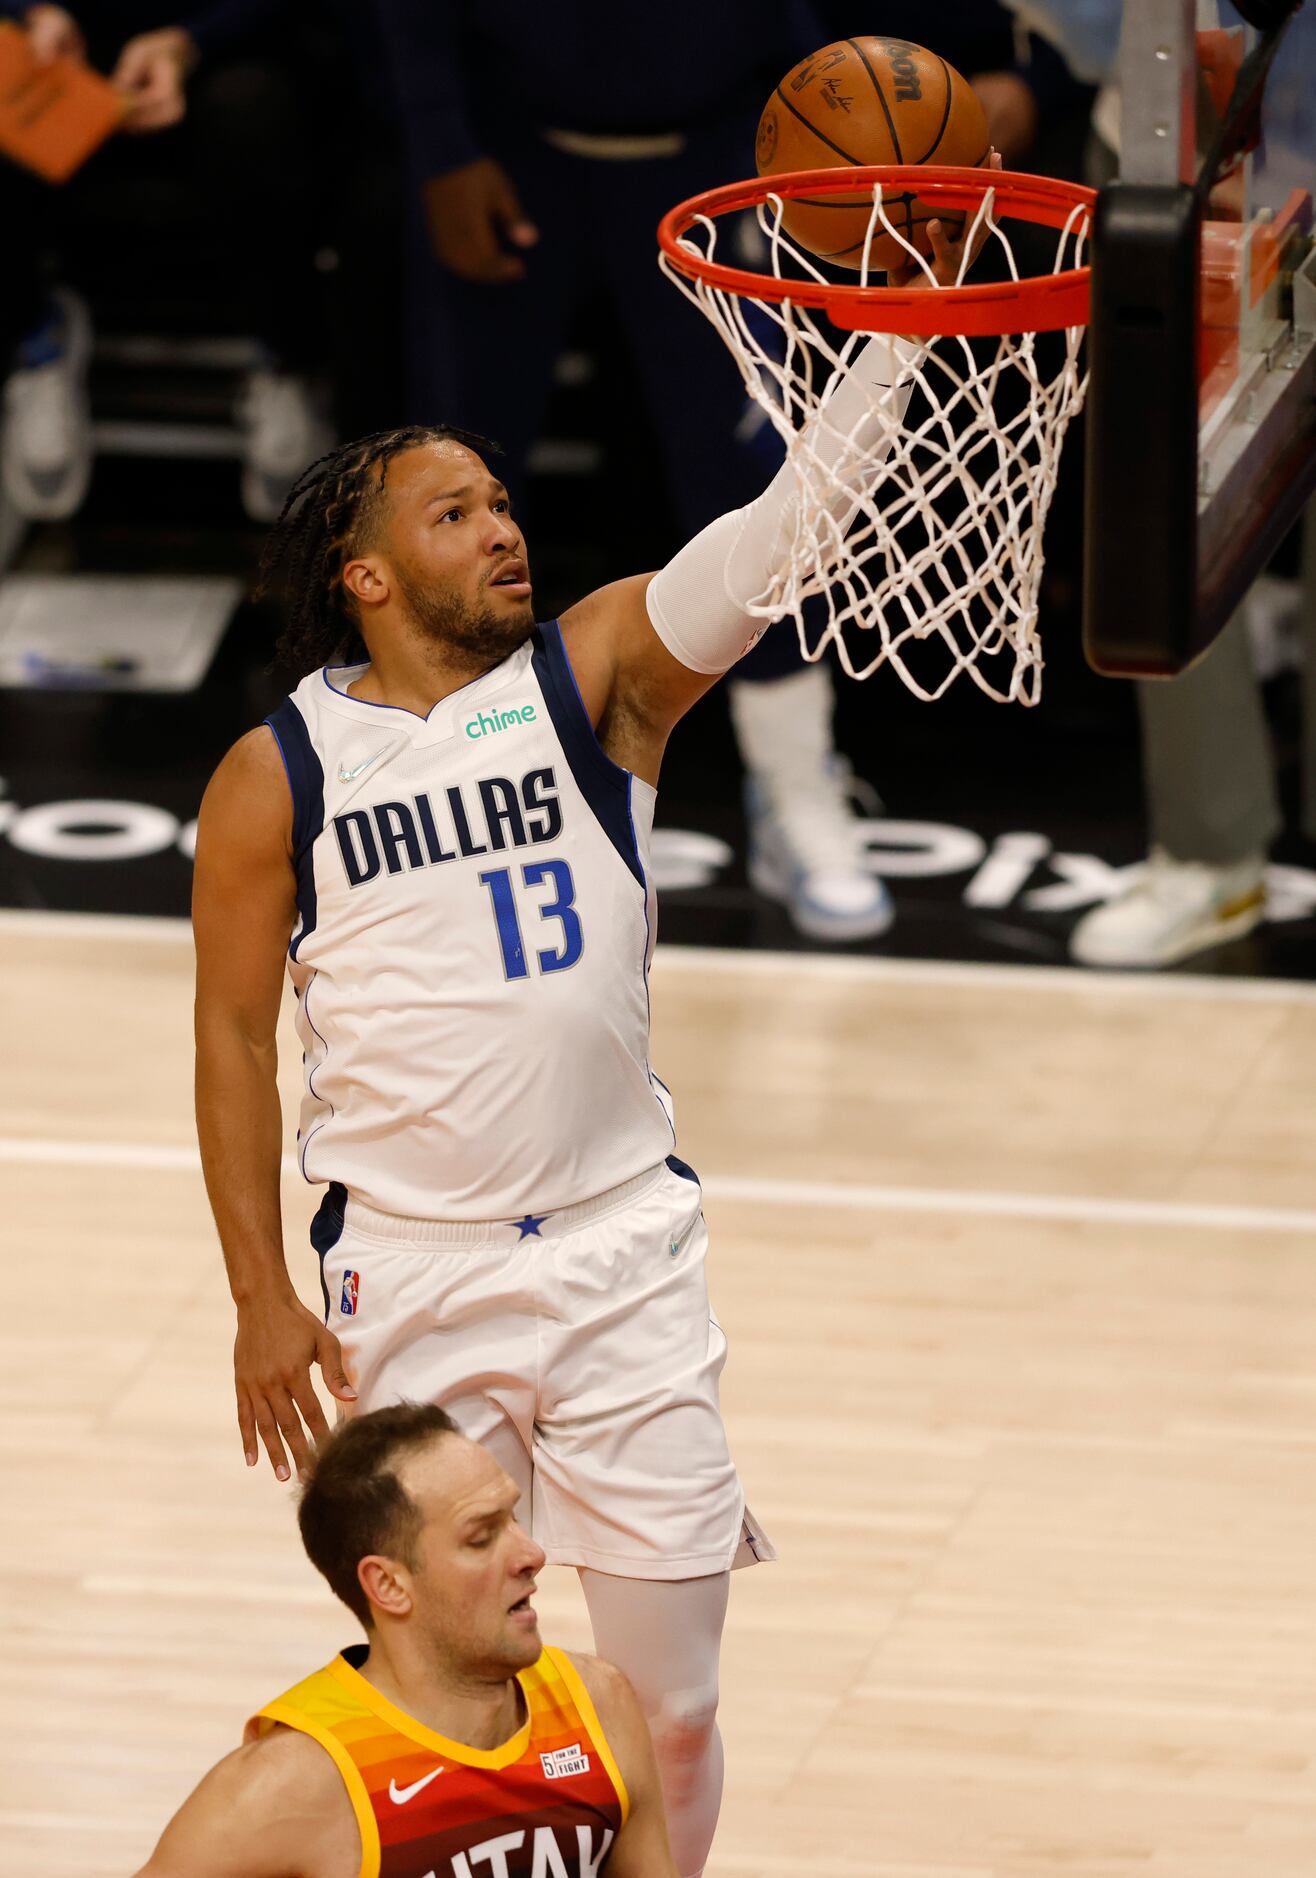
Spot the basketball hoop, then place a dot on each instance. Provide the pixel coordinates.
(933, 560)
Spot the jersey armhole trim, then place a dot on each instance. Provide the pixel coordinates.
(605, 785)
(268, 724)
(366, 1823)
(580, 1695)
(306, 783)
(554, 648)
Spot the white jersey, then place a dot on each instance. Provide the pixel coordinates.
(475, 924)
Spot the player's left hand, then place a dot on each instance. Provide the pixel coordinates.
(947, 257)
(152, 74)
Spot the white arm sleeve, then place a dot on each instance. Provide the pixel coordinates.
(697, 602)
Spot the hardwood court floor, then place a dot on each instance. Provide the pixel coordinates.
(1019, 1270)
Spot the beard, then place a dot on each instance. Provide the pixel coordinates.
(485, 635)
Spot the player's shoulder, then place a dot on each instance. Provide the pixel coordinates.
(602, 622)
(606, 1686)
(265, 1772)
(284, 1757)
(276, 1804)
(254, 756)
(598, 630)
(625, 1735)
(249, 788)
(285, 1776)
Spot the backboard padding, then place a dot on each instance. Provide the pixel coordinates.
(1202, 411)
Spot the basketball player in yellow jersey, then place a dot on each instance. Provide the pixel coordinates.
(453, 1744)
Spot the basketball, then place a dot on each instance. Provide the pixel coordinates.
(862, 101)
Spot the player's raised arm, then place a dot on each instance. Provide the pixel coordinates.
(273, 1809)
(645, 649)
(641, 1850)
(243, 908)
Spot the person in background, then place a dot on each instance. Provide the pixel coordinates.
(242, 156)
(544, 189)
(1023, 80)
(546, 186)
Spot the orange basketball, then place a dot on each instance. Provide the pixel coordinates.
(868, 100)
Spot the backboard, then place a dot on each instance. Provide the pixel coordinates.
(1201, 442)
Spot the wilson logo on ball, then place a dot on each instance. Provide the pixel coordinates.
(904, 69)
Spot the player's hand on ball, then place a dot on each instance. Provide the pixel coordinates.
(277, 1342)
(947, 257)
(473, 213)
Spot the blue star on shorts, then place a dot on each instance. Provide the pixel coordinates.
(530, 1225)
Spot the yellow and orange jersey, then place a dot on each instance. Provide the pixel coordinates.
(546, 1804)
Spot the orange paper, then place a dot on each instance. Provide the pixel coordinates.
(51, 116)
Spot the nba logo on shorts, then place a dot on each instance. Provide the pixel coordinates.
(348, 1303)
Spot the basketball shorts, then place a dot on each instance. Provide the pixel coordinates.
(578, 1347)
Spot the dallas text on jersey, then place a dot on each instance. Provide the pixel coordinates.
(398, 835)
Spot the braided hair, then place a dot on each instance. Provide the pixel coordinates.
(327, 518)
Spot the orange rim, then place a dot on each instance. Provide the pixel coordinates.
(1041, 303)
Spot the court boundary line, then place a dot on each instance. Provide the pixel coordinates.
(731, 961)
(951, 973)
(755, 1190)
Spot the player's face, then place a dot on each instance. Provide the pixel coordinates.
(475, 1568)
(455, 552)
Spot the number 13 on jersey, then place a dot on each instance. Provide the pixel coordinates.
(561, 907)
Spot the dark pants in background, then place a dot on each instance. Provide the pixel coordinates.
(483, 356)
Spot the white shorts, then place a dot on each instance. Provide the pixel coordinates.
(579, 1348)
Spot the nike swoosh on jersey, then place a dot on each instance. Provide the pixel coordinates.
(350, 775)
(400, 1795)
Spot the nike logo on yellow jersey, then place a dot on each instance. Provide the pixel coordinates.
(400, 1795)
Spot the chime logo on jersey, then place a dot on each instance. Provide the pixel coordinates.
(564, 1761)
(347, 1304)
(483, 726)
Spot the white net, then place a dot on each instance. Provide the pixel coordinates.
(928, 558)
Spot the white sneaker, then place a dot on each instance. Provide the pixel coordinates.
(805, 846)
(284, 432)
(45, 457)
(807, 850)
(1172, 909)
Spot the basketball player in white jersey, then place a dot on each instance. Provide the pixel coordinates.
(444, 833)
